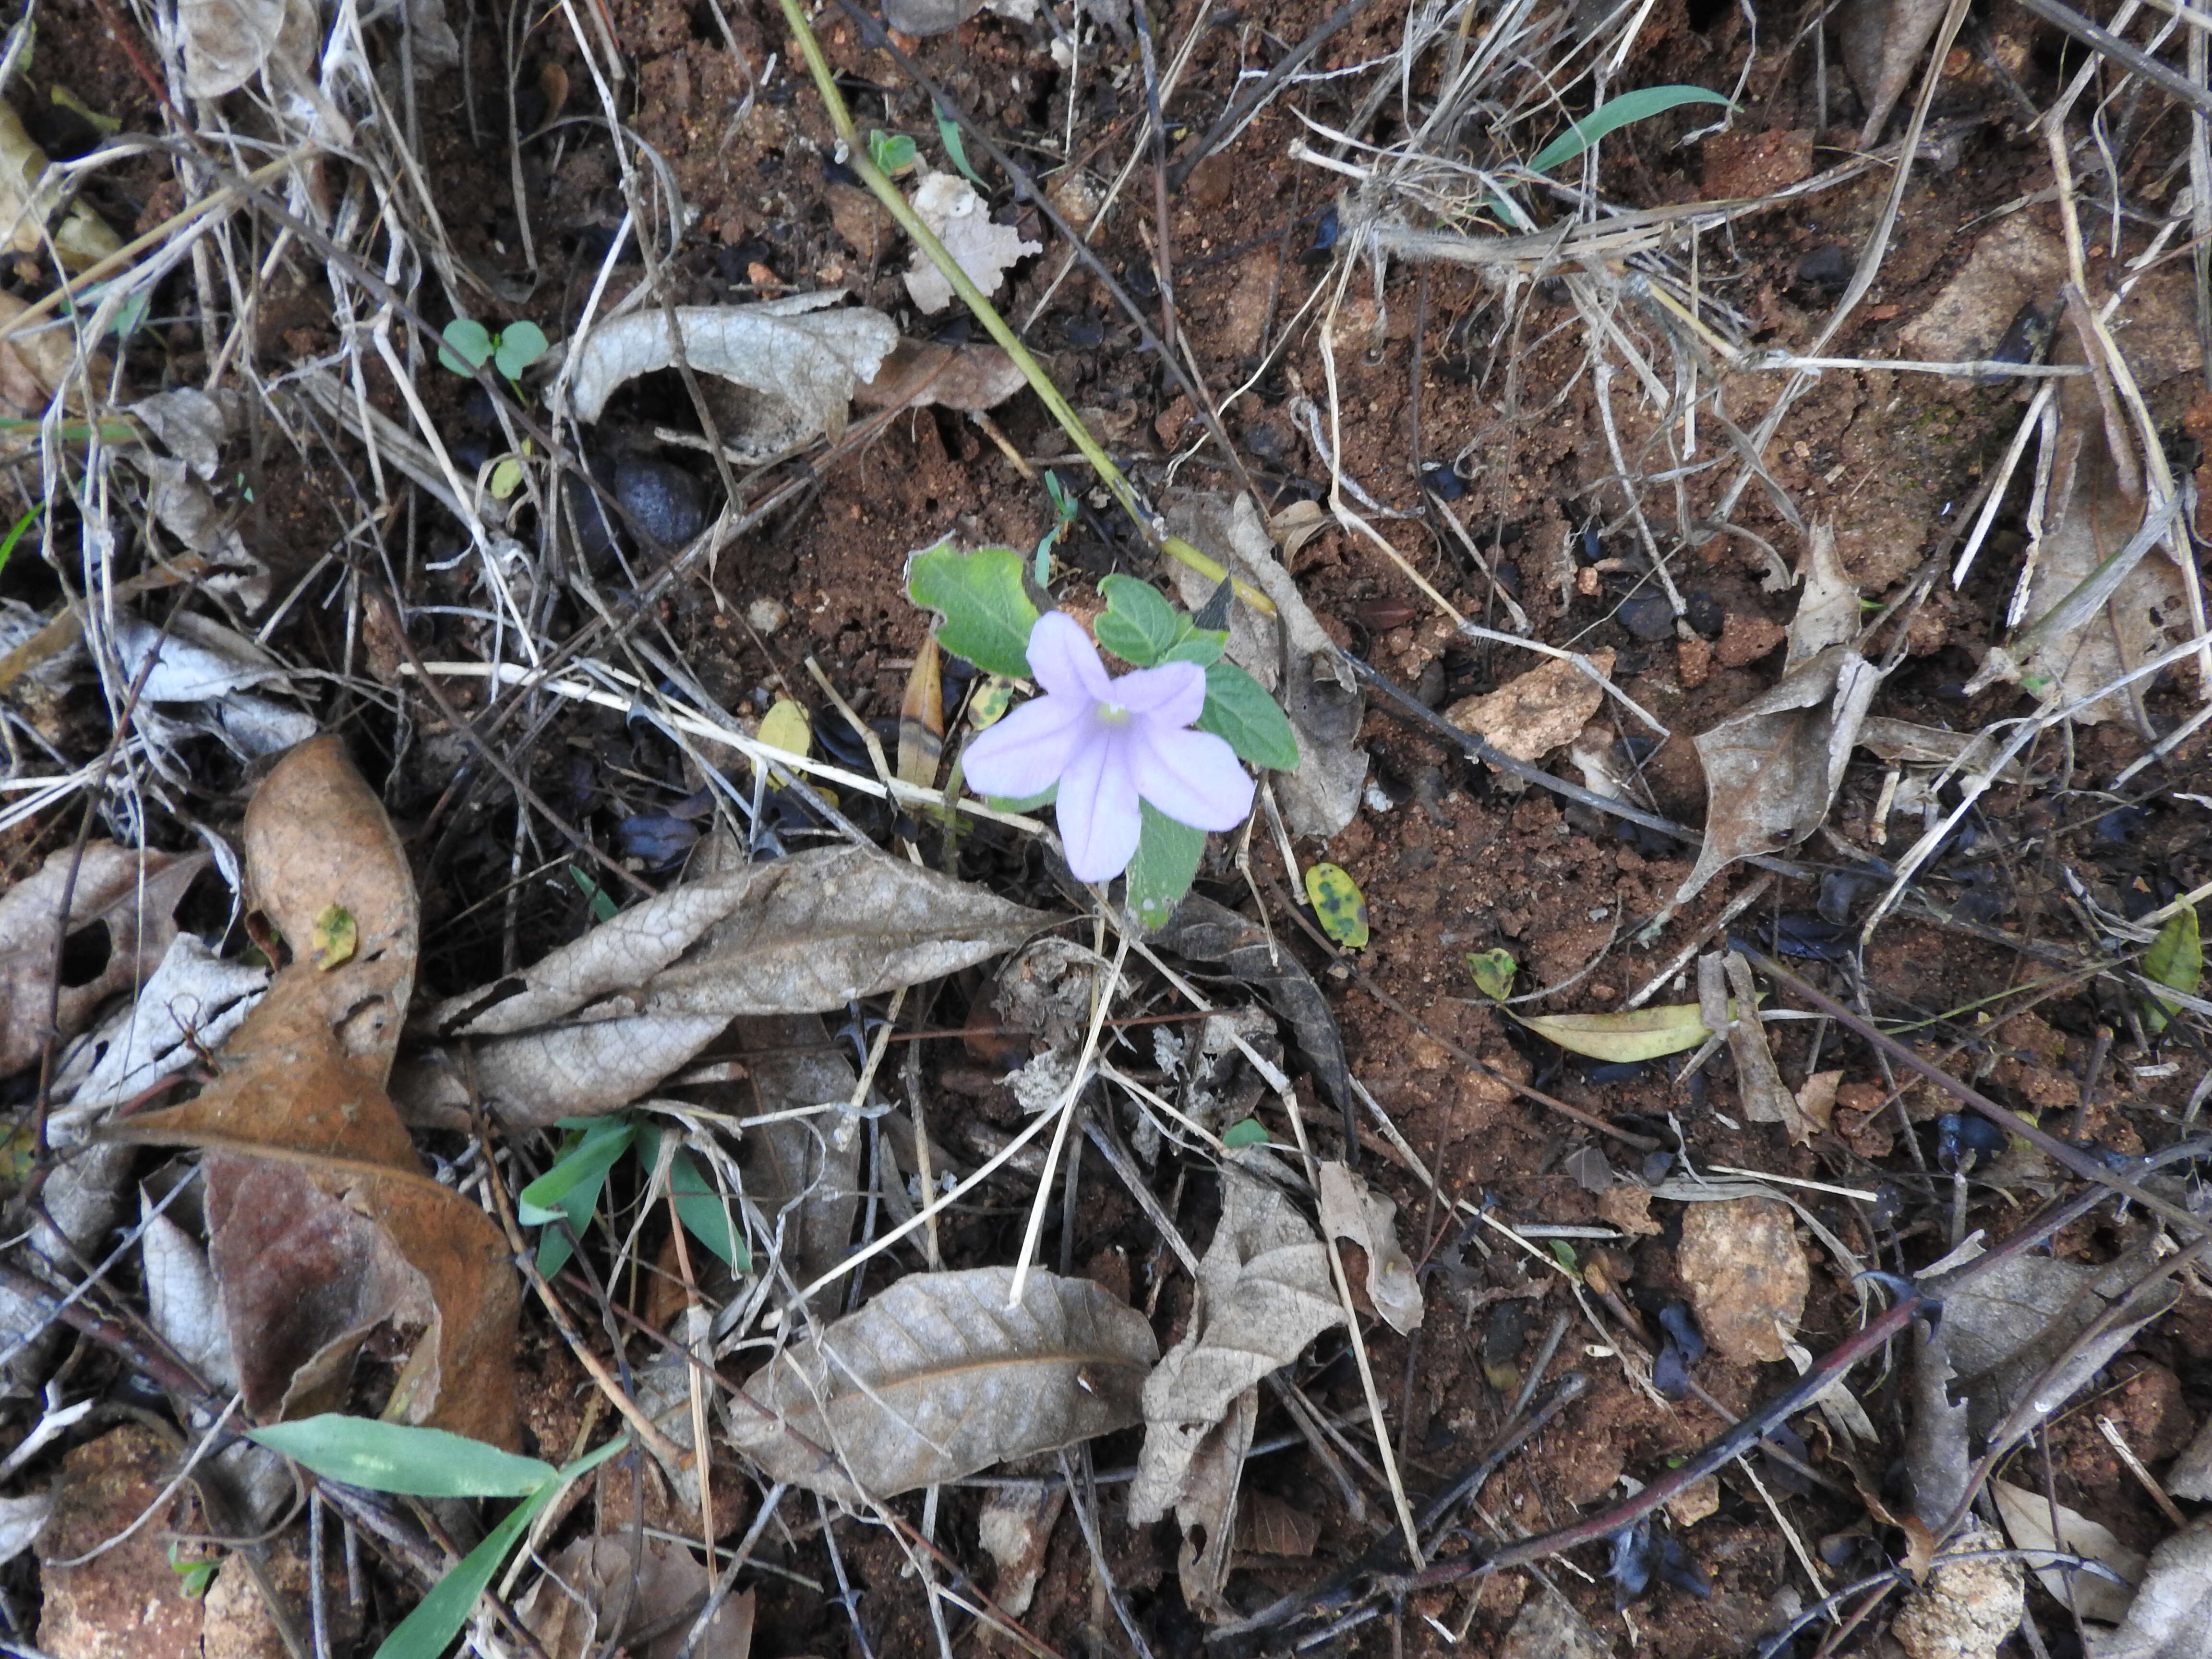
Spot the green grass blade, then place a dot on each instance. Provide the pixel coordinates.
(1615, 113)
(394, 1457)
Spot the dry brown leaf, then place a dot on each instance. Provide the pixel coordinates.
(1266, 1294)
(1882, 41)
(1747, 1276)
(37, 363)
(1912, 745)
(1816, 1101)
(937, 1377)
(948, 206)
(799, 362)
(30, 192)
(2028, 1518)
(1759, 1079)
(1530, 716)
(323, 1229)
(1772, 768)
(2171, 1617)
(598, 1593)
(1290, 653)
(968, 378)
(1206, 1511)
(595, 1024)
(1015, 1527)
(1349, 1209)
(1269, 1525)
(118, 927)
(803, 1172)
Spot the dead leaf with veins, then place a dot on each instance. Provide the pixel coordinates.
(323, 1231)
(937, 1377)
(56, 965)
(1266, 1293)
(2036, 1524)
(968, 378)
(1207, 1508)
(1349, 1209)
(799, 362)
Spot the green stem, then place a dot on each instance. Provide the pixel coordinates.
(857, 158)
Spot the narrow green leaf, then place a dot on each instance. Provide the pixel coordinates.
(705, 1215)
(468, 346)
(395, 1457)
(1628, 1034)
(2176, 960)
(603, 908)
(988, 613)
(1249, 1132)
(948, 134)
(1137, 625)
(1614, 114)
(521, 344)
(1239, 709)
(1166, 863)
(16, 535)
(570, 1190)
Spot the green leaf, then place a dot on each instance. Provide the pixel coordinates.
(1251, 1132)
(571, 1188)
(2176, 960)
(1564, 1254)
(1166, 863)
(988, 613)
(439, 1616)
(16, 535)
(1238, 709)
(506, 477)
(1137, 625)
(706, 1217)
(521, 344)
(1615, 113)
(1022, 803)
(603, 908)
(1493, 972)
(395, 1457)
(467, 348)
(893, 153)
(1063, 499)
(1630, 1033)
(1339, 905)
(1202, 645)
(948, 134)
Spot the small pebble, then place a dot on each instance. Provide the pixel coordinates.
(767, 615)
(1647, 615)
(664, 500)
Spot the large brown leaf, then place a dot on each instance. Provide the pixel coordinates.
(937, 1377)
(116, 930)
(323, 1229)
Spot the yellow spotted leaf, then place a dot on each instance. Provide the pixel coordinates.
(992, 700)
(1627, 1034)
(334, 936)
(1339, 905)
(1493, 972)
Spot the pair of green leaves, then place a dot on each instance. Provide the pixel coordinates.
(431, 1463)
(569, 1191)
(469, 345)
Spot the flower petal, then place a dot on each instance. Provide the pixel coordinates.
(1173, 693)
(1063, 661)
(1098, 808)
(1026, 751)
(1192, 776)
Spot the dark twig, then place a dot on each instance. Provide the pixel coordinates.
(2133, 58)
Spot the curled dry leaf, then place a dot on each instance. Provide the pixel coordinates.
(2171, 1617)
(37, 363)
(1531, 716)
(30, 193)
(1266, 1293)
(597, 1023)
(1349, 1209)
(804, 1173)
(323, 1229)
(801, 361)
(1759, 1079)
(968, 378)
(2013, 1331)
(1882, 41)
(1746, 1276)
(115, 932)
(599, 1593)
(1207, 1508)
(937, 1377)
(948, 206)
(1290, 653)
(1772, 768)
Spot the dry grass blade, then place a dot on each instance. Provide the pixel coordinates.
(937, 1377)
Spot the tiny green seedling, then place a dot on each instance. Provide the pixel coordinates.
(893, 153)
(197, 1576)
(470, 345)
(8, 545)
(948, 134)
(569, 1192)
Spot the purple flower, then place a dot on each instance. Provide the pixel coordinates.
(1106, 742)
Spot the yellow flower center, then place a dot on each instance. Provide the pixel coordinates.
(1112, 713)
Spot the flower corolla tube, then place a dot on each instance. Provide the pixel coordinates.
(1108, 742)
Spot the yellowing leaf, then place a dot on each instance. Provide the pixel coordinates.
(2175, 959)
(1630, 1033)
(1339, 904)
(1493, 972)
(506, 477)
(785, 727)
(334, 936)
(989, 704)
